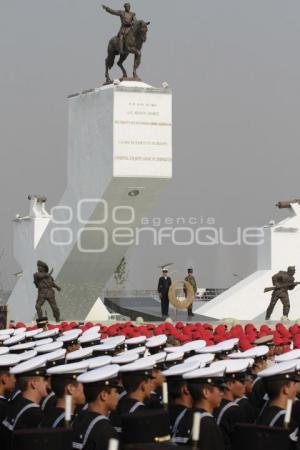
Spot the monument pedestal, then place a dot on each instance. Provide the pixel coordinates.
(119, 162)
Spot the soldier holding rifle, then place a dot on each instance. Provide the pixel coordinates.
(282, 283)
(45, 284)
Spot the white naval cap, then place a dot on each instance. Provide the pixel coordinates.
(43, 342)
(142, 365)
(92, 330)
(234, 369)
(293, 354)
(138, 340)
(174, 349)
(19, 330)
(138, 350)
(228, 345)
(69, 336)
(54, 358)
(115, 340)
(4, 350)
(22, 347)
(7, 332)
(210, 349)
(74, 332)
(47, 334)
(125, 358)
(202, 359)
(180, 369)
(68, 369)
(158, 357)
(98, 361)
(31, 367)
(90, 339)
(32, 333)
(255, 352)
(206, 375)
(7, 361)
(193, 346)
(27, 355)
(156, 341)
(15, 339)
(106, 376)
(49, 347)
(283, 370)
(82, 353)
(174, 357)
(103, 349)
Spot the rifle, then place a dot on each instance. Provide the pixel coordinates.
(268, 289)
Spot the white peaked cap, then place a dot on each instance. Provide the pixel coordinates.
(101, 374)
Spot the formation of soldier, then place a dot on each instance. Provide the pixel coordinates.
(143, 390)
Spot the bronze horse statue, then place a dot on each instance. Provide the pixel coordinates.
(133, 43)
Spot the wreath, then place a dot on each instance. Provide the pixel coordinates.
(181, 294)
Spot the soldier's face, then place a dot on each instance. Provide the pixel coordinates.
(214, 396)
(292, 271)
(127, 8)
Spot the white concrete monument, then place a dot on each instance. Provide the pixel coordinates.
(246, 300)
(119, 161)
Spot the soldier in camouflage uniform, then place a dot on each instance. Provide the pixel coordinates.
(45, 284)
(283, 282)
(191, 279)
(127, 20)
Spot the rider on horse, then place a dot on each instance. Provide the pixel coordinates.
(128, 18)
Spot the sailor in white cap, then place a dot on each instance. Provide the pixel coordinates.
(205, 387)
(228, 414)
(64, 382)
(70, 340)
(137, 381)
(281, 382)
(25, 411)
(255, 391)
(156, 344)
(180, 399)
(92, 427)
(7, 381)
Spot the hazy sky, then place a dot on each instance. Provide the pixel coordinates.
(234, 69)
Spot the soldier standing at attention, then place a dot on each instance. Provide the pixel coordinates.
(44, 282)
(127, 20)
(191, 279)
(164, 284)
(282, 282)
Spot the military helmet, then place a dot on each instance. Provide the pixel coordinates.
(291, 269)
(190, 270)
(127, 4)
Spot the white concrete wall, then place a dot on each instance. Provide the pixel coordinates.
(246, 300)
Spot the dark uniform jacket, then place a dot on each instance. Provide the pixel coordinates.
(22, 414)
(92, 431)
(210, 435)
(48, 402)
(3, 407)
(227, 416)
(249, 412)
(126, 405)
(163, 286)
(273, 416)
(53, 418)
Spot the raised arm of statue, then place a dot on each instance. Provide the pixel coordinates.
(114, 12)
